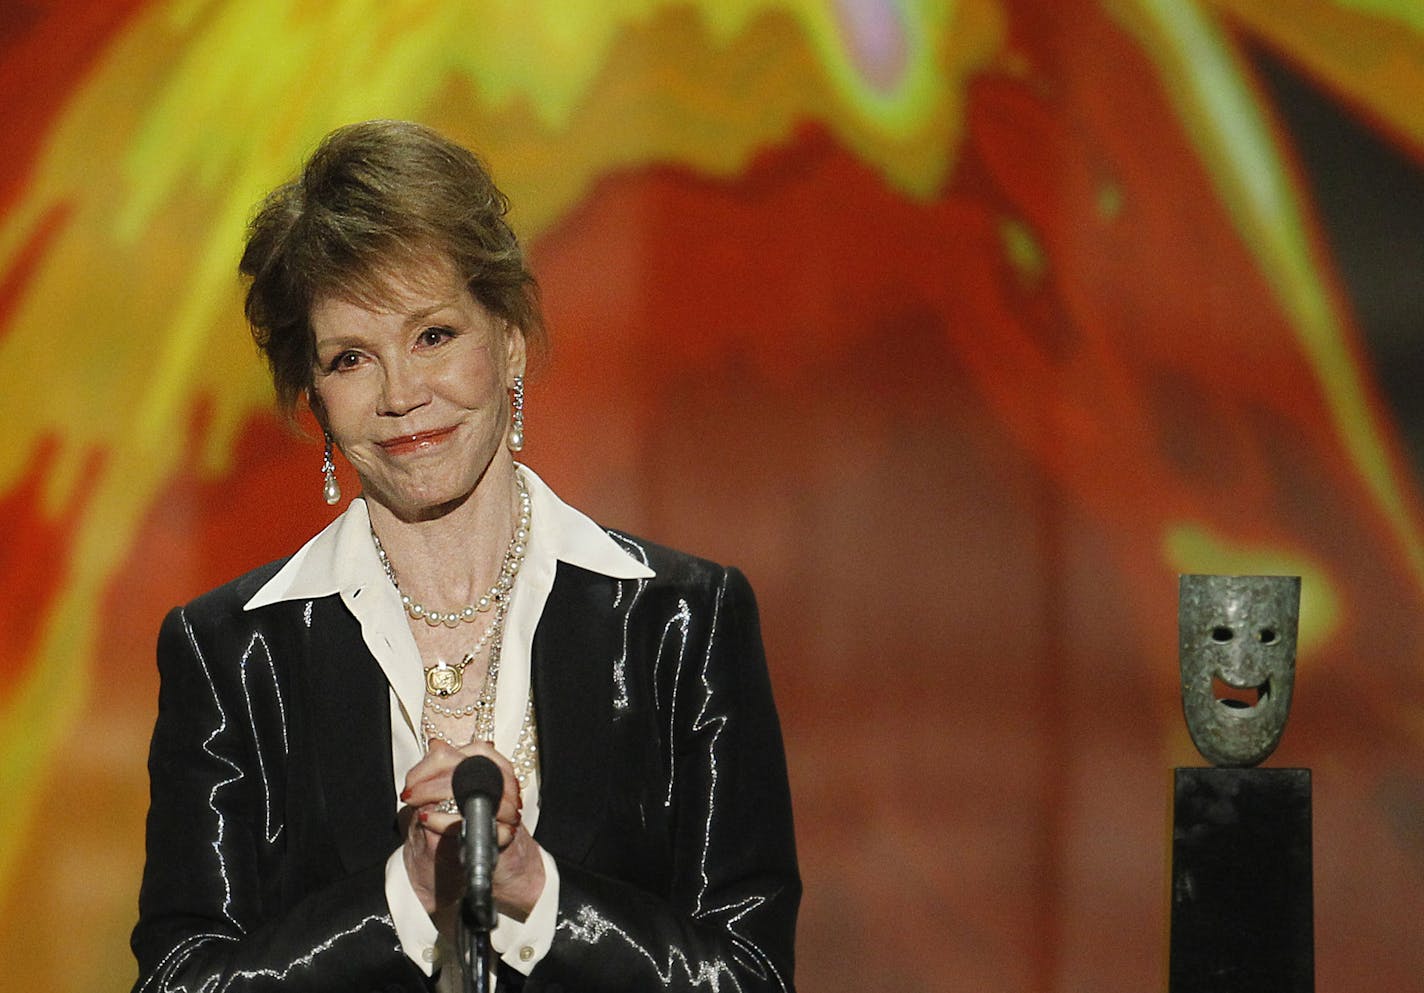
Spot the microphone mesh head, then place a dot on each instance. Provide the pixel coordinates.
(477, 775)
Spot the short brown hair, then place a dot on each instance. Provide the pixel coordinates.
(374, 199)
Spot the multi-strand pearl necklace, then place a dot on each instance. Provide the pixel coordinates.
(482, 710)
(525, 757)
(444, 680)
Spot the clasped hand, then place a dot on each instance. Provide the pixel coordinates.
(431, 850)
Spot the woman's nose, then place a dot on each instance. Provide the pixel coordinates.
(404, 390)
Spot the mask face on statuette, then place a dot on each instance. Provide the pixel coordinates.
(1237, 637)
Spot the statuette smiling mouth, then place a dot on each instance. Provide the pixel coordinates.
(1237, 640)
(1239, 698)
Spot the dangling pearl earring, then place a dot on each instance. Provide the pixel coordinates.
(330, 488)
(516, 432)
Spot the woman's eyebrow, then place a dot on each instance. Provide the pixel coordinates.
(423, 313)
(338, 341)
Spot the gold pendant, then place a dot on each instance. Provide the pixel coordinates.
(444, 680)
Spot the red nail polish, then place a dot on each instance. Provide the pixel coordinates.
(424, 816)
(405, 795)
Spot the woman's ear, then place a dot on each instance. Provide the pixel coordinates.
(516, 353)
(317, 408)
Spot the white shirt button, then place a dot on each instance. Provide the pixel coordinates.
(428, 954)
(526, 953)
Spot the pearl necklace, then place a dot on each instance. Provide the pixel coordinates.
(525, 757)
(498, 594)
(526, 749)
(482, 710)
(444, 680)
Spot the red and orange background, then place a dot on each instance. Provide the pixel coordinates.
(962, 326)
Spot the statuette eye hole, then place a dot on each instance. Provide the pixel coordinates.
(1221, 634)
(1267, 636)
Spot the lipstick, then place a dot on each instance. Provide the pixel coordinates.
(419, 441)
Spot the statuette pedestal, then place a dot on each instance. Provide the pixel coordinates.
(1242, 899)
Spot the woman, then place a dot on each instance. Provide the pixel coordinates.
(312, 711)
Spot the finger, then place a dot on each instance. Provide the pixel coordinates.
(436, 824)
(509, 811)
(440, 757)
(435, 827)
(439, 823)
(427, 793)
(433, 771)
(429, 780)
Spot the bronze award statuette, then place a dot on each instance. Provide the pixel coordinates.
(1236, 637)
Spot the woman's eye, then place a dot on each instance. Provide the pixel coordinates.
(434, 336)
(345, 360)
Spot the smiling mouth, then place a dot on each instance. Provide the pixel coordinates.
(415, 442)
(1239, 697)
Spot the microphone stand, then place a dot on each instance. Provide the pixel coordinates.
(477, 784)
(474, 946)
(476, 910)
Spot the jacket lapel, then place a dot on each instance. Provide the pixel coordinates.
(348, 704)
(573, 656)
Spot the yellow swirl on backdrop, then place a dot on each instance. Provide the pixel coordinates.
(1221, 113)
(1371, 52)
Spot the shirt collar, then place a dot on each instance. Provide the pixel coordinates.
(342, 558)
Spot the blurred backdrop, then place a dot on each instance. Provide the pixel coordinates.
(962, 326)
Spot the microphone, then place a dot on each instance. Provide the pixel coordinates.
(478, 786)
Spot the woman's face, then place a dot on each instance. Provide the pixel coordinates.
(414, 392)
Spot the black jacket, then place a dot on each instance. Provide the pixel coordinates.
(663, 793)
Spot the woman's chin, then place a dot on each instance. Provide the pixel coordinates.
(420, 505)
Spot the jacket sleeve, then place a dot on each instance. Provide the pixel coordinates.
(728, 919)
(216, 911)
